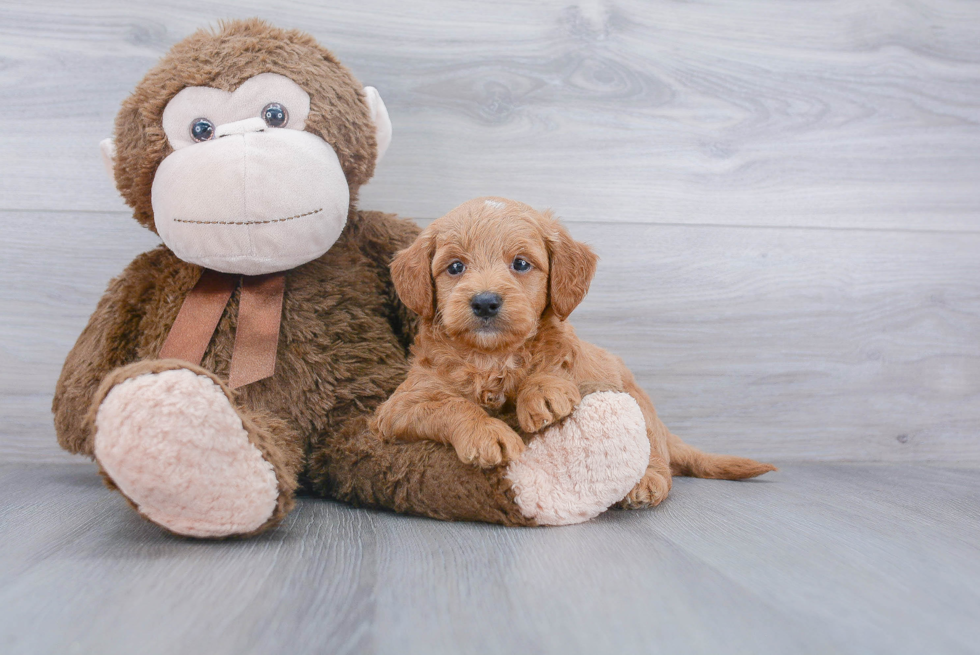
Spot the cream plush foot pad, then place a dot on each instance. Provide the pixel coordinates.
(577, 469)
(175, 446)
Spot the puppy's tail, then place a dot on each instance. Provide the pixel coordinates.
(689, 461)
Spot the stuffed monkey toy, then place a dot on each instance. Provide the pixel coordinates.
(240, 362)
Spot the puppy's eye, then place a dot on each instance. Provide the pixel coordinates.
(202, 130)
(456, 268)
(521, 265)
(275, 115)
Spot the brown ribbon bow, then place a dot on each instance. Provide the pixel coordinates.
(257, 335)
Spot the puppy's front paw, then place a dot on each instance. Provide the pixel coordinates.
(490, 444)
(545, 402)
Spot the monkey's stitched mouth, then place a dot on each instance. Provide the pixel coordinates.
(271, 220)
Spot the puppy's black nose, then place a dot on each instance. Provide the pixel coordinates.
(486, 304)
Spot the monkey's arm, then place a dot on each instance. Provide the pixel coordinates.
(419, 410)
(107, 342)
(380, 237)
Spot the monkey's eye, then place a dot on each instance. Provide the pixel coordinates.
(521, 265)
(202, 130)
(275, 115)
(456, 268)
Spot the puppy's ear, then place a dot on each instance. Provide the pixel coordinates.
(411, 272)
(572, 267)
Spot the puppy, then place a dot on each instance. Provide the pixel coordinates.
(493, 282)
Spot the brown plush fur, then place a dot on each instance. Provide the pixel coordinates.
(468, 370)
(344, 334)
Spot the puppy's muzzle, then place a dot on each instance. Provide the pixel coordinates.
(486, 304)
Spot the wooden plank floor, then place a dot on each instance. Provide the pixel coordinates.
(828, 558)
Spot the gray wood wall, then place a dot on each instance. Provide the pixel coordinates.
(785, 196)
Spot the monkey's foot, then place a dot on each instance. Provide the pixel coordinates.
(176, 448)
(573, 471)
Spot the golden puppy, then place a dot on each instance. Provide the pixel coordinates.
(493, 282)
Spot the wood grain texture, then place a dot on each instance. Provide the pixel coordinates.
(785, 199)
(838, 113)
(812, 559)
(785, 196)
(793, 344)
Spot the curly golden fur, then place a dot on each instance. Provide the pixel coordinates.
(473, 365)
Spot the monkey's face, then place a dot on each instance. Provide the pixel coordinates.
(246, 189)
(244, 148)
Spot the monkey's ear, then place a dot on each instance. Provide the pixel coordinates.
(573, 265)
(411, 273)
(379, 115)
(108, 149)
